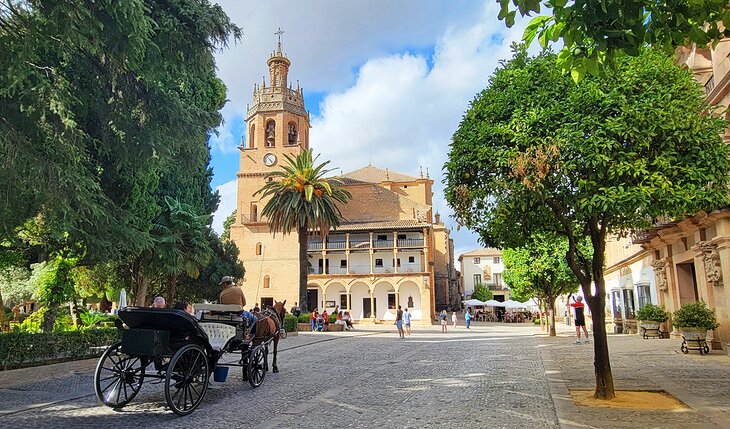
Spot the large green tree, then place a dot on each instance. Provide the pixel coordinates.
(96, 99)
(535, 152)
(539, 269)
(595, 32)
(301, 198)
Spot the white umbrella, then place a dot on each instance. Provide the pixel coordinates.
(494, 303)
(514, 304)
(122, 299)
(473, 302)
(532, 302)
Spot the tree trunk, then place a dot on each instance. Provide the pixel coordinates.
(303, 271)
(551, 303)
(601, 362)
(49, 318)
(3, 318)
(73, 308)
(170, 293)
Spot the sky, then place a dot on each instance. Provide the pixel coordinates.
(385, 82)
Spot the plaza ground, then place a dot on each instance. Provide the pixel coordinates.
(496, 376)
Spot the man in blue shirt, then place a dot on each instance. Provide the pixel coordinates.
(407, 321)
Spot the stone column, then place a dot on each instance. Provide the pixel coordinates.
(349, 301)
(395, 251)
(372, 306)
(372, 262)
(347, 252)
(324, 300)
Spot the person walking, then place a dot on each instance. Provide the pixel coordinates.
(467, 317)
(442, 320)
(399, 322)
(453, 319)
(407, 321)
(580, 320)
(313, 319)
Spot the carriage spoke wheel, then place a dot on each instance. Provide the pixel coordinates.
(118, 377)
(256, 367)
(187, 379)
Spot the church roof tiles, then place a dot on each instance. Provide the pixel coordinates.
(370, 174)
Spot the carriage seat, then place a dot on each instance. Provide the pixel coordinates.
(218, 334)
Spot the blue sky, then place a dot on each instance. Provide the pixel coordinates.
(386, 81)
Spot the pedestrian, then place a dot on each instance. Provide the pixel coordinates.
(399, 322)
(313, 319)
(467, 317)
(407, 321)
(580, 320)
(296, 310)
(442, 320)
(453, 319)
(159, 302)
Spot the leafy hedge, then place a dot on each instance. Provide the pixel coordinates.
(304, 318)
(21, 349)
(290, 323)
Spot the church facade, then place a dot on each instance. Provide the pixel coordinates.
(390, 249)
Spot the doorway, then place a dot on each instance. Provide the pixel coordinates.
(366, 310)
(686, 280)
(312, 298)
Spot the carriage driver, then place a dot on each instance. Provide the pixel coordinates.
(232, 294)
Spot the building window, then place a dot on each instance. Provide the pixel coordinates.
(629, 303)
(477, 260)
(495, 260)
(251, 140)
(498, 280)
(401, 236)
(378, 262)
(410, 302)
(343, 263)
(644, 295)
(254, 213)
(343, 300)
(382, 237)
(391, 301)
(398, 262)
(267, 282)
(267, 302)
(270, 133)
(292, 136)
(258, 249)
(477, 279)
(411, 259)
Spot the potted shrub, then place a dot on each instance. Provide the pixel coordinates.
(694, 320)
(650, 317)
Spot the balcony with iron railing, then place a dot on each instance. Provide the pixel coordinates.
(359, 269)
(710, 85)
(359, 244)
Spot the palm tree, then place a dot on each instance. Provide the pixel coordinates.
(302, 199)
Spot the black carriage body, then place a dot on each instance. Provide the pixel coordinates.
(159, 331)
(146, 342)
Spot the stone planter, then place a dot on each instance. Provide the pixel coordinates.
(304, 327)
(694, 339)
(650, 329)
(333, 327)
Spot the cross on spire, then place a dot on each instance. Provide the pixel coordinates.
(279, 33)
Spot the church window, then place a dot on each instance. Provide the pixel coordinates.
(267, 282)
(254, 213)
(251, 139)
(270, 133)
(292, 136)
(258, 249)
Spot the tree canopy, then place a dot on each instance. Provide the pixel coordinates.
(595, 32)
(535, 152)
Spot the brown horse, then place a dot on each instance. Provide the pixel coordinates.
(268, 327)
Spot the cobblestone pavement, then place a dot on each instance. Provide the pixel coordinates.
(701, 382)
(489, 377)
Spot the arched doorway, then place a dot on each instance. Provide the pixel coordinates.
(359, 292)
(410, 297)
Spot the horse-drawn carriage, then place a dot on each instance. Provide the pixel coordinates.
(174, 348)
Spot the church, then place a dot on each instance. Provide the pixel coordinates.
(390, 249)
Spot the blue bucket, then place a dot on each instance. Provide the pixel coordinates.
(220, 374)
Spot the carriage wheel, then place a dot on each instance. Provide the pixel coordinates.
(256, 367)
(187, 379)
(118, 377)
(684, 348)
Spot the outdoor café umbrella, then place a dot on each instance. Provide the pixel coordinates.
(514, 304)
(473, 302)
(122, 299)
(531, 303)
(493, 303)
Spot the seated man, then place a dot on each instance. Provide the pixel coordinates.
(232, 294)
(159, 302)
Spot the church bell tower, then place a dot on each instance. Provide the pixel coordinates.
(277, 124)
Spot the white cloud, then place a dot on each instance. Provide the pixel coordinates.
(227, 192)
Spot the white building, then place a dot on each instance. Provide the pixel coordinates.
(484, 267)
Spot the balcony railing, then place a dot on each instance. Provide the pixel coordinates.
(383, 243)
(410, 242)
(360, 244)
(336, 245)
(365, 269)
(710, 85)
(314, 245)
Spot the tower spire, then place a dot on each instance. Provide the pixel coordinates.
(278, 46)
